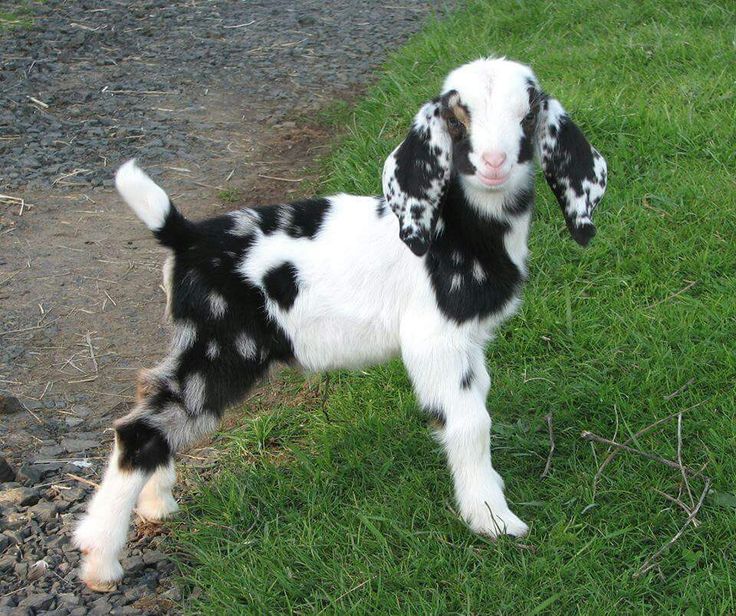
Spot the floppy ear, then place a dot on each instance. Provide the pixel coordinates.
(574, 170)
(416, 173)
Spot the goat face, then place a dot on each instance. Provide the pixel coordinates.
(484, 129)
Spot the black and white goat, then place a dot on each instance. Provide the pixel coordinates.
(330, 283)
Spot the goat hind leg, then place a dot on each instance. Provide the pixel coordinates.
(138, 452)
(156, 502)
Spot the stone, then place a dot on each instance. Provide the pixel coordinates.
(7, 562)
(10, 405)
(44, 511)
(14, 521)
(68, 598)
(76, 445)
(29, 475)
(22, 497)
(153, 557)
(132, 564)
(6, 471)
(37, 601)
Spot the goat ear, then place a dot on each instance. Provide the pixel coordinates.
(574, 170)
(416, 173)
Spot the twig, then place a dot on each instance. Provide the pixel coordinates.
(240, 25)
(88, 340)
(273, 177)
(347, 592)
(641, 432)
(589, 436)
(87, 380)
(679, 458)
(650, 562)
(36, 417)
(83, 480)
(677, 502)
(678, 391)
(37, 102)
(548, 466)
(689, 286)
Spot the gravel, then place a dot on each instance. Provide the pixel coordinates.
(136, 76)
(88, 86)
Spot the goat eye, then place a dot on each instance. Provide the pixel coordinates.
(528, 118)
(455, 124)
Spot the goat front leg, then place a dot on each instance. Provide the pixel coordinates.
(451, 383)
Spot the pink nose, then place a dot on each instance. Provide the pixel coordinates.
(494, 159)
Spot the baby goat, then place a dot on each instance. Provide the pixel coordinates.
(341, 282)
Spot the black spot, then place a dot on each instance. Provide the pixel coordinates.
(281, 284)
(307, 217)
(529, 124)
(461, 157)
(467, 379)
(269, 215)
(142, 447)
(435, 416)
(476, 239)
(381, 208)
(520, 202)
(526, 149)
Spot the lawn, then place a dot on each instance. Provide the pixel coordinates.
(347, 506)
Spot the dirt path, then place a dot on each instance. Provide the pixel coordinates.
(212, 97)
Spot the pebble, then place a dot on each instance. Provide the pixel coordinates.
(19, 496)
(10, 405)
(7, 473)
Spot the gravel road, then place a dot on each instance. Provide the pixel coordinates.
(210, 95)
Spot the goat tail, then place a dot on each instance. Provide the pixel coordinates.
(153, 206)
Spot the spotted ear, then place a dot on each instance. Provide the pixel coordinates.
(416, 173)
(574, 170)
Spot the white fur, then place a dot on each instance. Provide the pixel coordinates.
(156, 502)
(148, 200)
(495, 92)
(102, 532)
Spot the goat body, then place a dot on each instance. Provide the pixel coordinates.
(340, 282)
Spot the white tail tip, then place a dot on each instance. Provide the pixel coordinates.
(146, 198)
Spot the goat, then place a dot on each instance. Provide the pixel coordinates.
(340, 282)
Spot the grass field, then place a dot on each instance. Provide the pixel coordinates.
(16, 14)
(348, 509)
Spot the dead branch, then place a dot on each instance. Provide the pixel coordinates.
(589, 436)
(548, 465)
(633, 438)
(651, 562)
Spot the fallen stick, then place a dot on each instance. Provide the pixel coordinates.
(650, 562)
(589, 436)
(83, 480)
(631, 439)
(548, 465)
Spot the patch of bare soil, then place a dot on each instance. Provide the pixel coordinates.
(82, 297)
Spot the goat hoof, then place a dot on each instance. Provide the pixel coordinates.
(101, 586)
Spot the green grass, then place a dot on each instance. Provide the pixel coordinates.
(350, 510)
(17, 14)
(230, 195)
